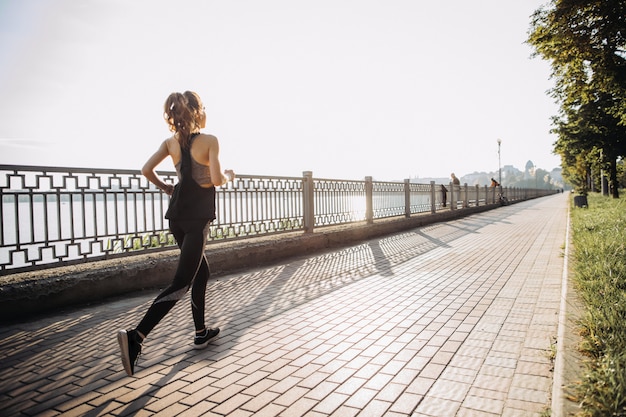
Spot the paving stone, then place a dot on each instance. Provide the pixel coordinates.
(452, 319)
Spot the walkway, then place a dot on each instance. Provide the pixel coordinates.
(454, 319)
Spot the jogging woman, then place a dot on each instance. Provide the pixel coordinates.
(191, 211)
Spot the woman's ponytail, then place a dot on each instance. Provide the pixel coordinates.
(180, 117)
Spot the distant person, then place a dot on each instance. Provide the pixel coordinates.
(444, 195)
(494, 183)
(455, 180)
(191, 211)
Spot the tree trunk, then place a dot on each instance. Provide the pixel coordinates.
(613, 181)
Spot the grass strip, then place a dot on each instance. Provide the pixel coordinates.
(599, 262)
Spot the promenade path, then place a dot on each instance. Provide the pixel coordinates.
(452, 319)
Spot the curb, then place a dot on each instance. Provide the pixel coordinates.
(567, 364)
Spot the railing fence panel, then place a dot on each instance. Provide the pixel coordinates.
(52, 216)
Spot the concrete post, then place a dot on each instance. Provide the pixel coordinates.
(308, 201)
(369, 200)
(486, 195)
(452, 197)
(433, 198)
(466, 196)
(477, 195)
(407, 198)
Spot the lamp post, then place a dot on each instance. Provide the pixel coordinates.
(499, 165)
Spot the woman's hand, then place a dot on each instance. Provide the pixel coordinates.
(230, 174)
(168, 189)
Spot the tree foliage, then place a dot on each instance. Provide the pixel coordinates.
(585, 42)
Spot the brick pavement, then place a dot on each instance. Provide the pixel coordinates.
(453, 319)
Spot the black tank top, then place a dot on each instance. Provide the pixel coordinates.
(190, 201)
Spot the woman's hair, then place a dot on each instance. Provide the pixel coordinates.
(182, 112)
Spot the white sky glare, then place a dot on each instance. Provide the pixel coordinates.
(344, 88)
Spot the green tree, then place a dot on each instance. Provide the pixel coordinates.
(584, 40)
(595, 138)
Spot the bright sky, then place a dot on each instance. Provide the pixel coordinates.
(344, 88)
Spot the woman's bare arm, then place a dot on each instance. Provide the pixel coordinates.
(149, 167)
(217, 178)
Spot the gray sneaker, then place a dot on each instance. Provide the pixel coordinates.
(202, 340)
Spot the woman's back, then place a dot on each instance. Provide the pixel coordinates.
(201, 146)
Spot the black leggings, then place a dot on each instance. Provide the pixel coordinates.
(192, 270)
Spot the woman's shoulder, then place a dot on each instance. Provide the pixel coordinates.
(172, 145)
(207, 139)
(170, 140)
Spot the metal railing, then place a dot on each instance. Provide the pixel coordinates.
(53, 216)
